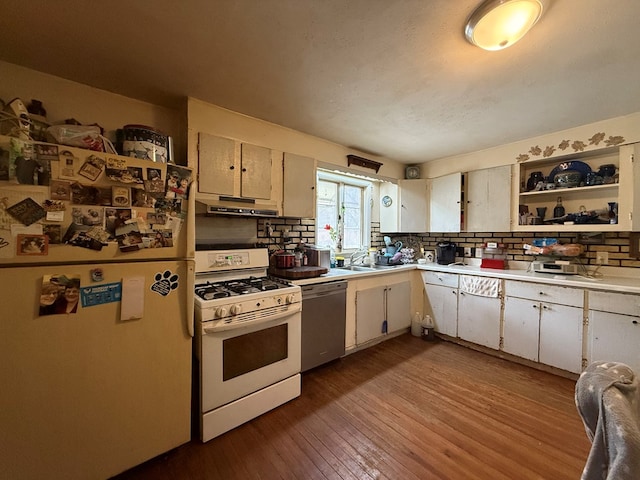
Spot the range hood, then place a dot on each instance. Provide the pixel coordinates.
(246, 207)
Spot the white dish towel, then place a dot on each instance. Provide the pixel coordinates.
(480, 286)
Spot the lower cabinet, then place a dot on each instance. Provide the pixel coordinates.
(614, 328)
(539, 322)
(544, 331)
(479, 319)
(441, 301)
(381, 310)
(521, 327)
(561, 337)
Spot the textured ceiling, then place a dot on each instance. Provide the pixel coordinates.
(392, 77)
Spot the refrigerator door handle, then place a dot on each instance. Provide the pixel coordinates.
(191, 280)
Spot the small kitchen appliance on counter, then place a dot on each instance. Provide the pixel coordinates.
(557, 267)
(493, 256)
(319, 257)
(446, 253)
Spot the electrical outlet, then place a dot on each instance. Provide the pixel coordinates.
(467, 251)
(602, 258)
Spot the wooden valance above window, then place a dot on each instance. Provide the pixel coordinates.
(363, 162)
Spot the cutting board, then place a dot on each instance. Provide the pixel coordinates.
(296, 273)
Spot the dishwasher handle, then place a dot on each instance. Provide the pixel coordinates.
(323, 289)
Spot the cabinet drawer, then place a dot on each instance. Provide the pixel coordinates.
(441, 278)
(624, 303)
(545, 293)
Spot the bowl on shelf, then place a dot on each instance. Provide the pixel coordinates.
(568, 179)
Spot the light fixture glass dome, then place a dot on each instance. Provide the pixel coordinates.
(498, 24)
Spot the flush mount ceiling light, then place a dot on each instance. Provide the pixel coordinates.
(498, 24)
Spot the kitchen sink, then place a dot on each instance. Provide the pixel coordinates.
(357, 268)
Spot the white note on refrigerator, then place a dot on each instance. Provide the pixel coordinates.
(132, 305)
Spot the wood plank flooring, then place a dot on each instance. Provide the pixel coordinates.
(403, 409)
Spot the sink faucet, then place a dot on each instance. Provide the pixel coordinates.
(359, 254)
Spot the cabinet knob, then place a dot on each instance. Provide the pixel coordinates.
(244, 169)
(545, 307)
(534, 306)
(231, 167)
(541, 293)
(635, 322)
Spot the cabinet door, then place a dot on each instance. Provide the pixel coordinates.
(256, 172)
(442, 304)
(614, 338)
(521, 327)
(444, 203)
(218, 165)
(479, 320)
(370, 309)
(398, 306)
(389, 219)
(488, 193)
(299, 191)
(561, 336)
(413, 207)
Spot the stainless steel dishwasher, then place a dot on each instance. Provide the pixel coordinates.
(324, 312)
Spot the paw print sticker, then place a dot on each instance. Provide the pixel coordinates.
(164, 283)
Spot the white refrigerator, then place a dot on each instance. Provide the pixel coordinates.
(89, 392)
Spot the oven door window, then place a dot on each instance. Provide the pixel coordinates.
(251, 351)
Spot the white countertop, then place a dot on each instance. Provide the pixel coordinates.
(341, 274)
(625, 280)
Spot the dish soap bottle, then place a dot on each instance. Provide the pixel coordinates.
(558, 211)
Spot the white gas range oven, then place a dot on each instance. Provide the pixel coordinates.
(248, 329)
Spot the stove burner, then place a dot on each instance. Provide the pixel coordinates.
(263, 284)
(229, 288)
(212, 295)
(209, 291)
(241, 287)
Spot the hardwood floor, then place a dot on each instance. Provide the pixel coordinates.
(403, 409)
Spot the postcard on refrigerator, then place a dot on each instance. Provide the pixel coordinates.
(92, 167)
(32, 244)
(121, 196)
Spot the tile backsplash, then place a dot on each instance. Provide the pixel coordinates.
(303, 230)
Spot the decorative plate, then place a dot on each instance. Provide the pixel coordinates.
(576, 165)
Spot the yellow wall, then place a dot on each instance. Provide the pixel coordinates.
(627, 126)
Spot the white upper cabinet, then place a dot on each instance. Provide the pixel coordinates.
(218, 163)
(488, 200)
(594, 197)
(231, 168)
(299, 195)
(444, 203)
(478, 201)
(404, 207)
(255, 172)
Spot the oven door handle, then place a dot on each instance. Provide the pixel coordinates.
(221, 327)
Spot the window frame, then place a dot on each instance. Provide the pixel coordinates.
(366, 187)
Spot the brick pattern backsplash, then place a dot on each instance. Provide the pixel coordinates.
(303, 230)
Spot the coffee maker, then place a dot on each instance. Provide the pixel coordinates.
(446, 253)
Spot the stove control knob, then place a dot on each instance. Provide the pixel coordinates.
(290, 298)
(236, 309)
(221, 312)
